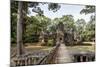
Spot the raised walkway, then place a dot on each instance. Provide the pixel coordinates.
(63, 55)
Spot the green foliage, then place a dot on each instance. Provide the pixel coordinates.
(13, 28)
(89, 32)
(68, 21)
(50, 42)
(80, 26)
(88, 9)
(54, 6)
(35, 24)
(14, 7)
(86, 31)
(31, 38)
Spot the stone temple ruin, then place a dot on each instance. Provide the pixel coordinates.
(63, 35)
(60, 32)
(60, 35)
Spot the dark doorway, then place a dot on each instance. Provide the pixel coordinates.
(60, 39)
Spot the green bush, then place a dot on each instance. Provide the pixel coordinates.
(50, 42)
(31, 39)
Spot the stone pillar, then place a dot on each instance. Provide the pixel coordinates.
(87, 59)
(81, 58)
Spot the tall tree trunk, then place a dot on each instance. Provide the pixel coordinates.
(20, 50)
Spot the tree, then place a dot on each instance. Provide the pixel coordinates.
(69, 27)
(80, 28)
(68, 21)
(13, 27)
(14, 7)
(89, 32)
(54, 7)
(88, 9)
(20, 29)
(22, 11)
(34, 26)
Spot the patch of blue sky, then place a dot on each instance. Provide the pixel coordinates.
(66, 9)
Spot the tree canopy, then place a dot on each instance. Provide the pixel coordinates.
(35, 24)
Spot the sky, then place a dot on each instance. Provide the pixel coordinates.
(66, 9)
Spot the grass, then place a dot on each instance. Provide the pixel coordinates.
(31, 47)
(82, 48)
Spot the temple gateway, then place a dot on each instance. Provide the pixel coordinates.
(64, 36)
